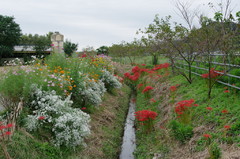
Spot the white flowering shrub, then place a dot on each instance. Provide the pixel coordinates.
(110, 80)
(69, 125)
(92, 91)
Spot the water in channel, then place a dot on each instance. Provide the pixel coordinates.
(129, 140)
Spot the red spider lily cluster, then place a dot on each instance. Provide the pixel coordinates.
(3, 129)
(145, 115)
(147, 88)
(212, 74)
(207, 136)
(161, 66)
(173, 88)
(136, 71)
(139, 86)
(183, 106)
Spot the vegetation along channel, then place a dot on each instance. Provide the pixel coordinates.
(172, 93)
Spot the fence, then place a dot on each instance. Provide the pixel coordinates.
(231, 75)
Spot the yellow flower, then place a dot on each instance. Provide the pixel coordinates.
(62, 72)
(70, 88)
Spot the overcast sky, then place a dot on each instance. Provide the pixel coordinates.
(94, 22)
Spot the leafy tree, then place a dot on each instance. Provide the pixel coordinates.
(40, 43)
(103, 50)
(10, 33)
(69, 48)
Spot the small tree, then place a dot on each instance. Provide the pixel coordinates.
(69, 48)
(103, 50)
(10, 33)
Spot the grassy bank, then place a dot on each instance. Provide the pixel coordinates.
(213, 117)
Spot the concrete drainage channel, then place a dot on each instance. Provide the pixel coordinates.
(129, 139)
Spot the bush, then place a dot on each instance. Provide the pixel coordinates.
(68, 125)
(181, 131)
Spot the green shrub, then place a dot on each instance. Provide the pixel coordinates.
(214, 151)
(181, 131)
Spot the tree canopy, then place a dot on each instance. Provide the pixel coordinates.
(10, 33)
(69, 48)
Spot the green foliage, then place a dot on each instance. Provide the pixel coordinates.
(17, 82)
(103, 50)
(55, 60)
(40, 43)
(25, 147)
(180, 131)
(214, 151)
(69, 48)
(10, 33)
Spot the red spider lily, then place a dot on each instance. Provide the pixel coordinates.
(135, 69)
(213, 74)
(84, 55)
(207, 136)
(41, 118)
(145, 115)
(209, 108)
(226, 91)
(143, 64)
(127, 74)
(2, 127)
(147, 88)
(157, 67)
(8, 133)
(224, 111)
(153, 100)
(9, 125)
(196, 105)
(173, 88)
(183, 106)
(83, 108)
(227, 127)
(139, 85)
